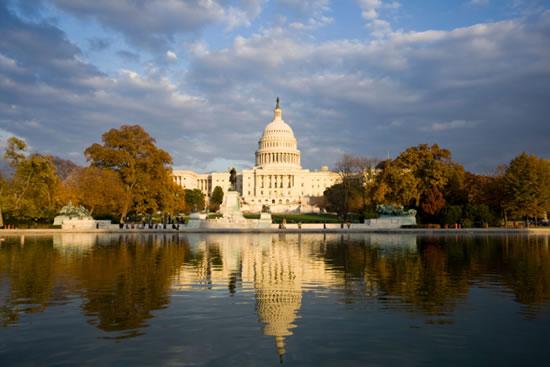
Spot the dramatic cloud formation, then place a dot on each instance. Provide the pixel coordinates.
(482, 90)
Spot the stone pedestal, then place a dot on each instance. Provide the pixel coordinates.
(391, 221)
(231, 207)
(265, 220)
(196, 220)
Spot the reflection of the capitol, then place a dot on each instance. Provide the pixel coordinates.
(279, 268)
(123, 278)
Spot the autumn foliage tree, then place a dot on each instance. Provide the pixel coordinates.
(395, 186)
(99, 190)
(143, 168)
(30, 192)
(527, 187)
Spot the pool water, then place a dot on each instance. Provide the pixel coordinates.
(270, 299)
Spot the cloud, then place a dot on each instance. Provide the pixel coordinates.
(153, 24)
(310, 7)
(451, 125)
(171, 55)
(370, 11)
(481, 91)
(478, 81)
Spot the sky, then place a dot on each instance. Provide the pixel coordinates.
(365, 77)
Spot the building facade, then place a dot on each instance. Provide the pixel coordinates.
(277, 178)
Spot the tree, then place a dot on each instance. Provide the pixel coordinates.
(216, 199)
(527, 187)
(100, 190)
(143, 168)
(487, 191)
(30, 193)
(395, 186)
(451, 214)
(430, 164)
(434, 169)
(432, 201)
(356, 177)
(194, 200)
(335, 201)
(174, 200)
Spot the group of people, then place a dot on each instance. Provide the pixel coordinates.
(162, 226)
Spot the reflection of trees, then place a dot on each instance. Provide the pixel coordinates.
(526, 269)
(124, 282)
(435, 276)
(28, 271)
(123, 279)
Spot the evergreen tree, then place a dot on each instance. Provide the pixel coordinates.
(216, 199)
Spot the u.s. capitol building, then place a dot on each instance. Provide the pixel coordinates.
(277, 179)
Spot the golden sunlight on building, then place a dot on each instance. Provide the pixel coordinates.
(277, 179)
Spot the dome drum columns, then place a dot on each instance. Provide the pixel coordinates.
(277, 158)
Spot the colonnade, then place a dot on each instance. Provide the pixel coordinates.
(203, 185)
(283, 158)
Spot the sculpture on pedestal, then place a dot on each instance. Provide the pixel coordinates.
(233, 180)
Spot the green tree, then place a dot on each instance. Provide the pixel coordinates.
(357, 176)
(527, 187)
(451, 214)
(216, 199)
(144, 169)
(342, 199)
(194, 200)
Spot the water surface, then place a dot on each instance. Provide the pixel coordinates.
(266, 299)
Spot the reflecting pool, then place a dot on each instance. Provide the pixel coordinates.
(267, 299)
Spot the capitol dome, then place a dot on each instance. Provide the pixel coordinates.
(277, 147)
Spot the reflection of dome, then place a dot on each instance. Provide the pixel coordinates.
(277, 146)
(277, 269)
(277, 309)
(279, 291)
